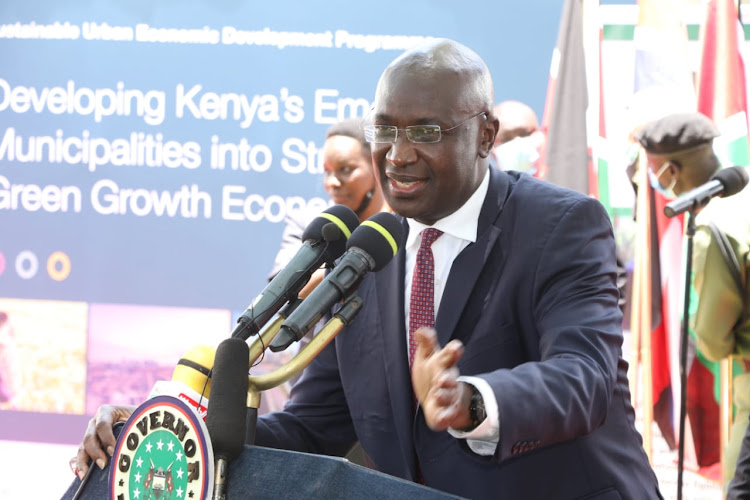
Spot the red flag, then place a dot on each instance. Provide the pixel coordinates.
(721, 97)
(666, 307)
(721, 81)
(599, 179)
(663, 85)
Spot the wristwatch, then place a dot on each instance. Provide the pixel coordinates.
(477, 413)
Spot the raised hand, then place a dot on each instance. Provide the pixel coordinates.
(434, 374)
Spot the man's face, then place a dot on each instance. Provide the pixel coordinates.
(663, 175)
(430, 181)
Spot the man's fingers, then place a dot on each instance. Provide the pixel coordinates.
(105, 421)
(427, 346)
(447, 379)
(444, 397)
(81, 463)
(90, 449)
(98, 438)
(426, 343)
(442, 417)
(448, 356)
(435, 378)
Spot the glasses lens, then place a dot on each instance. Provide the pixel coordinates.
(423, 133)
(369, 133)
(380, 134)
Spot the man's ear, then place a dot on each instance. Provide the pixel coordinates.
(488, 131)
(674, 168)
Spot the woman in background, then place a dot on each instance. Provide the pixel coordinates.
(349, 179)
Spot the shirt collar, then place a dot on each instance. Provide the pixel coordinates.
(461, 224)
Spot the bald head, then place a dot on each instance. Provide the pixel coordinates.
(448, 61)
(516, 120)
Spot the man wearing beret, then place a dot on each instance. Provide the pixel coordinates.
(680, 155)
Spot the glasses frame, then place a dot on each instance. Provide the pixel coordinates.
(370, 131)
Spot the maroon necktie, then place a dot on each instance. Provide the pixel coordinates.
(422, 300)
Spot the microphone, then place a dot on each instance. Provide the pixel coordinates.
(194, 369)
(191, 379)
(371, 246)
(227, 413)
(324, 240)
(725, 183)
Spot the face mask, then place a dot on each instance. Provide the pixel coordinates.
(520, 154)
(668, 192)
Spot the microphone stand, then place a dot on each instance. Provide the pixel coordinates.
(684, 337)
(257, 384)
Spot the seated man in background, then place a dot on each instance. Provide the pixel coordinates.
(518, 139)
(680, 155)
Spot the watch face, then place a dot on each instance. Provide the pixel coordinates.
(476, 409)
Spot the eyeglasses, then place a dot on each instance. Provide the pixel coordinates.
(420, 134)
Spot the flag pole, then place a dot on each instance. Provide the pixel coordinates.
(643, 320)
(635, 331)
(726, 409)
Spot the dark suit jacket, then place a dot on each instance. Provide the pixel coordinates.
(534, 300)
(739, 486)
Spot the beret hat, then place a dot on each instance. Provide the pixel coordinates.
(677, 133)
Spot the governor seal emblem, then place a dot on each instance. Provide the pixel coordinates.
(163, 453)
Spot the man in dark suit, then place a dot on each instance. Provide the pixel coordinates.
(739, 486)
(528, 397)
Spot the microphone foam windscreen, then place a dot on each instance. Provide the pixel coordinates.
(194, 368)
(227, 409)
(380, 236)
(343, 218)
(734, 179)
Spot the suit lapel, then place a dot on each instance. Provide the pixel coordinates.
(469, 263)
(390, 293)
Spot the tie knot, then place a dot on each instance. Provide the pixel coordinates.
(429, 236)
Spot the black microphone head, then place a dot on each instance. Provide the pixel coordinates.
(380, 236)
(342, 219)
(227, 409)
(734, 180)
(331, 232)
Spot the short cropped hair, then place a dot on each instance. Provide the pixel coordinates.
(351, 127)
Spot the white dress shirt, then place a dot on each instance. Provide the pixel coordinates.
(459, 230)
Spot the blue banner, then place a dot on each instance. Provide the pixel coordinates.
(149, 153)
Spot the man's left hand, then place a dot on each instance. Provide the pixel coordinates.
(434, 374)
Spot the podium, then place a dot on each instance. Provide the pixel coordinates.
(265, 473)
